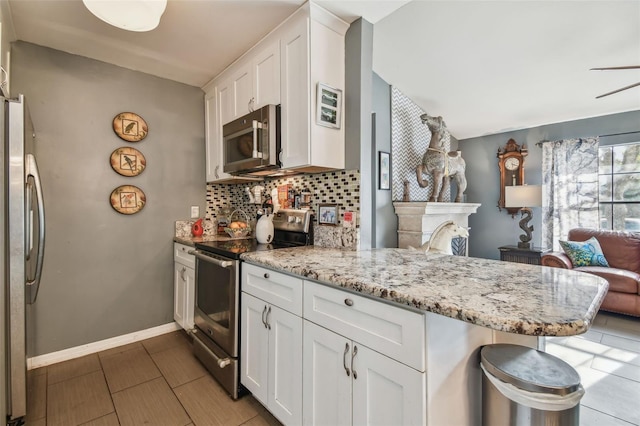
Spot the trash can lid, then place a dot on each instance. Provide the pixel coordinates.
(529, 369)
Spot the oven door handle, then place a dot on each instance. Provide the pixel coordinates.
(222, 362)
(205, 258)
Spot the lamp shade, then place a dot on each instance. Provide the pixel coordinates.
(523, 196)
(130, 15)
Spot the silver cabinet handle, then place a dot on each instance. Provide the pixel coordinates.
(348, 302)
(268, 323)
(216, 172)
(353, 355)
(264, 321)
(266, 276)
(344, 359)
(182, 271)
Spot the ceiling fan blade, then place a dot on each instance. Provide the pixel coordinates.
(619, 90)
(628, 67)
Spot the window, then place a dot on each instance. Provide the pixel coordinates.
(619, 187)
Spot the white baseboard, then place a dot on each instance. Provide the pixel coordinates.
(90, 348)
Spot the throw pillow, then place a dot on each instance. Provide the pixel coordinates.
(584, 253)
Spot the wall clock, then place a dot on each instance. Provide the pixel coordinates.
(511, 165)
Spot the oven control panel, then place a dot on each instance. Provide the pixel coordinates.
(292, 220)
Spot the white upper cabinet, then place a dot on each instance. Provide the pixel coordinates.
(217, 109)
(311, 52)
(213, 135)
(284, 69)
(254, 81)
(266, 75)
(241, 92)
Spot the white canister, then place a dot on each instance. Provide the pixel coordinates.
(264, 229)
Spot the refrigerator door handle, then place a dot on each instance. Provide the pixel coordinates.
(34, 285)
(28, 235)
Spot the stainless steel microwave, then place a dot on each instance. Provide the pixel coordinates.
(251, 144)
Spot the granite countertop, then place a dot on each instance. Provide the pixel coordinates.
(191, 241)
(511, 297)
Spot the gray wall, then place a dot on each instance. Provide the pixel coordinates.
(386, 234)
(107, 274)
(358, 135)
(490, 228)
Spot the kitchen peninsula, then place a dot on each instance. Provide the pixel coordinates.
(410, 325)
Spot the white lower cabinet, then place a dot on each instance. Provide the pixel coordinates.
(184, 285)
(271, 358)
(364, 360)
(347, 383)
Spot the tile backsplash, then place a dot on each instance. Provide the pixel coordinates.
(341, 188)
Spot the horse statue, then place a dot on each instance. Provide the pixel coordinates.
(443, 166)
(440, 241)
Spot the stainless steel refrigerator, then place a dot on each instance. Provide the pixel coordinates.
(23, 246)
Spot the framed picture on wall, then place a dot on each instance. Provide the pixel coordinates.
(328, 214)
(384, 170)
(329, 106)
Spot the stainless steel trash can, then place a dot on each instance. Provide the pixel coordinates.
(523, 386)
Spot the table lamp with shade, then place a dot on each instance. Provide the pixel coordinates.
(524, 197)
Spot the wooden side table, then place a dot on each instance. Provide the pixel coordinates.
(515, 254)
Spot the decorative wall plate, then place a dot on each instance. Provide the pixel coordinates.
(128, 161)
(130, 127)
(128, 199)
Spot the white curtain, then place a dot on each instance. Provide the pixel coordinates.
(569, 188)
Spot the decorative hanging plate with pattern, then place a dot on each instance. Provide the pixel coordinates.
(128, 199)
(130, 127)
(128, 161)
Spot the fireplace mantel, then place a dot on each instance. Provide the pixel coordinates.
(418, 219)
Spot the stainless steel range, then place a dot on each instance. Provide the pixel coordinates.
(217, 305)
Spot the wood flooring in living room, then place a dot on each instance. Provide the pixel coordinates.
(159, 382)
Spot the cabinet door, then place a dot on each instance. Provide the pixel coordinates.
(179, 293)
(254, 347)
(226, 104)
(217, 105)
(386, 392)
(266, 76)
(295, 92)
(326, 385)
(212, 141)
(189, 297)
(242, 84)
(285, 366)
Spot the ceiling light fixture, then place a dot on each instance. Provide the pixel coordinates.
(130, 15)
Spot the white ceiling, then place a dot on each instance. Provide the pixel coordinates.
(493, 66)
(485, 66)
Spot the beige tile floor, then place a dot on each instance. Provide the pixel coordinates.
(154, 382)
(607, 357)
(158, 382)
